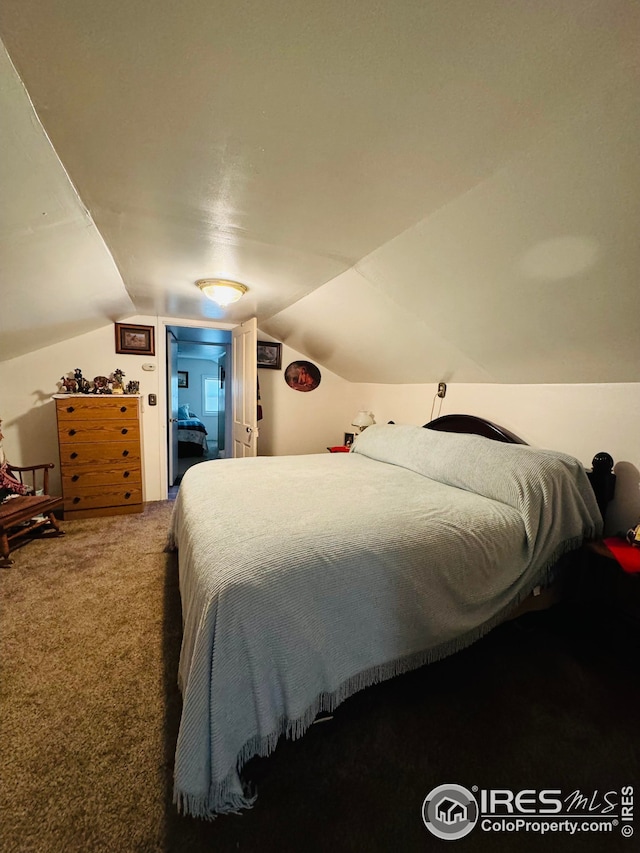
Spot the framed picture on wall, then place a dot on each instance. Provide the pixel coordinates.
(302, 376)
(270, 355)
(135, 340)
(183, 379)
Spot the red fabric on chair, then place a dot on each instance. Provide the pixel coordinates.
(9, 484)
(627, 555)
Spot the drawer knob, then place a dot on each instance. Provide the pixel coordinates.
(70, 409)
(76, 500)
(72, 432)
(74, 455)
(125, 452)
(123, 408)
(124, 431)
(75, 478)
(126, 474)
(127, 495)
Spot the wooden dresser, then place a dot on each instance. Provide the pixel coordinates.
(100, 454)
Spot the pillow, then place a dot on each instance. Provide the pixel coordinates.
(183, 412)
(513, 474)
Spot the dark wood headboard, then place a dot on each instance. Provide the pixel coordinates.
(475, 426)
(601, 477)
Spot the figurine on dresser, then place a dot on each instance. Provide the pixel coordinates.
(69, 385)
(84, 387)
(117, 385)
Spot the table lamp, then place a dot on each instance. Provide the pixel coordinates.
(362, 420)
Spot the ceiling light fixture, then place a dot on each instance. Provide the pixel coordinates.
(221, 291)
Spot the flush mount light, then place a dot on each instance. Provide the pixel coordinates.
(221, 291)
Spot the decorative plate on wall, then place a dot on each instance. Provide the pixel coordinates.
(302, 376)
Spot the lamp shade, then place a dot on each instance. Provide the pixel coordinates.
(221, 291)
(363, 420)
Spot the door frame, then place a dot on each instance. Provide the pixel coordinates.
(172, 406)
(161, 343)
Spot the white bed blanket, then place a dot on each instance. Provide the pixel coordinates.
(306, 578)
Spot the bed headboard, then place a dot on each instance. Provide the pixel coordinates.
(475, 426)
(601, 477)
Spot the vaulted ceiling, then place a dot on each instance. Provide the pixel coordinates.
(412, 191)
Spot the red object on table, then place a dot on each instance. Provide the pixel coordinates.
(627, 555)
(338, 449)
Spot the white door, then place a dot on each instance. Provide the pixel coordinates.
(172, 407)
(244, 370)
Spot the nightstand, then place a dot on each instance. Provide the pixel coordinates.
(607, 591)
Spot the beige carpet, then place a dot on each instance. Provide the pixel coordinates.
(90, 638)
(84, 658)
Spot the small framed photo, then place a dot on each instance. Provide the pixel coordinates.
(135, 340)
(348, 439)
(270, 355)
(183, 379)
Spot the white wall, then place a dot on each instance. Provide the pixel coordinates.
(302, 422)
(577, 419)
(28, 411)
(293, 422)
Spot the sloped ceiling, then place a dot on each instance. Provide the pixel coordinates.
(412, 191)
(58, 277)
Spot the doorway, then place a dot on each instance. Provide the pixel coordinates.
(198, 399)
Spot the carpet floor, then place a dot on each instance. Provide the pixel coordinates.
(89, 711)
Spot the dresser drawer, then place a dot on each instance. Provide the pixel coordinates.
(97, 407)
(107, 496)
(77, 477)
(73, 432)
(104, 454)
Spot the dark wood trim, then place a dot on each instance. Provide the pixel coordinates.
(474, 425)
(24, 515)
(603, 480)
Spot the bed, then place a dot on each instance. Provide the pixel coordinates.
(305, 579)
(192, 434)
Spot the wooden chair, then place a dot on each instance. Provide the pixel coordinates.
(25, 514)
